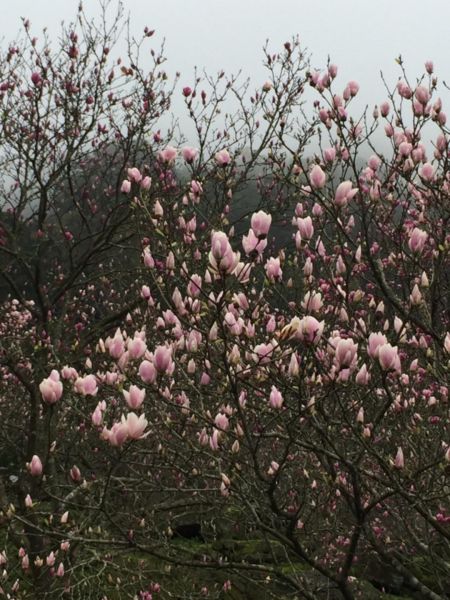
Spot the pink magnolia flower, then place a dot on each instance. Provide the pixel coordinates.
(115, 345)
(427, 172)
(273, 269)
(223, 158)
(363, 376)
(189, 154)
(399, 461)
(260, 223)
(36, 78)
(97, 417)
(134, 175)
(262, 353)
(375, 341)
(136, 347)
(126, 186)
(275, 398)
(374, 162)
(222, 258)
(307, 329)
(135, 425)
(147, 372)
(422, 94)
(162, 359)
(194, 286)
(51, 388)
(417, 239)
(86, 386)
(404, 90)
(252, 243)
(219, 244)
(384, 109)
(346, 353)
(388, 357)
(312, 302)
(69, 373)
(146, 183)
(168, 155)
(50, 560)
(35, 466)
(134, 397)
(305, 227)
(317, 177)
(344, 193)
(329, 154)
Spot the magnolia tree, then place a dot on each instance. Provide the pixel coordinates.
(287, 389)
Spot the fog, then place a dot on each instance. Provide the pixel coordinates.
(361, 37)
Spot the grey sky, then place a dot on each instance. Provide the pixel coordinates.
(361, 36)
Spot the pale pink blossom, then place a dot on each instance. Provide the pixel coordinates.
(223, 158)
(86, 386)
(251, 243)
(275, 398)
(51, 388)
(168, 155)
(317, 177)
(136, 347)
(388, 357)
(273, 269)
(134, 396)
(162, 359)
(344, 193)
(260, 223)
(305, 227)
(134, 175)
(417, 240)
(189, 154)
(375, 341)
(427, 172)
(135, 425)
(126, 186)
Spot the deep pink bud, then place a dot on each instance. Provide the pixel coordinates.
(36, 78)
(384, 109)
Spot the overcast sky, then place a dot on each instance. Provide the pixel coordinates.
(361, 36)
